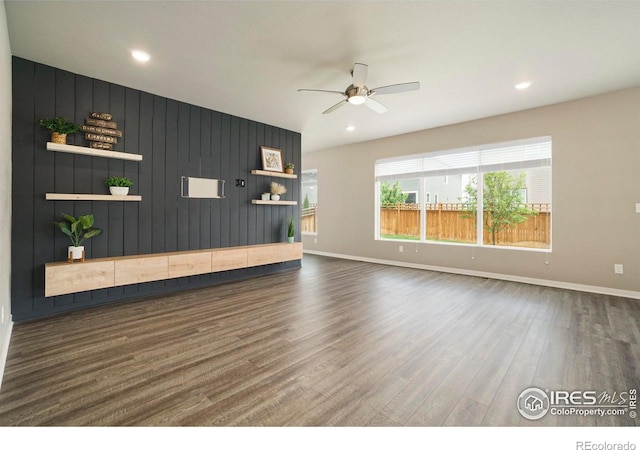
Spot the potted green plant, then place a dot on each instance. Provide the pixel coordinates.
(79, 230)
(288, 168)
(291, 230)
(118, 185)
(59, 128)
(277, 190)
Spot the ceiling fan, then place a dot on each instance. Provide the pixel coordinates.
(358, 93)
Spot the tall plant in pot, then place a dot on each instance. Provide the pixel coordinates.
(59, 127)
(291, 230)
(118, 185)
(79, 230)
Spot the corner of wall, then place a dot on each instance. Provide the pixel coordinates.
(6, 324)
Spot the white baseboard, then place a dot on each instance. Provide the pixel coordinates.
(4, 351)
(497, 276)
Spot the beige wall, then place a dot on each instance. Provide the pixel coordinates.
(596, 183)
(5, 189)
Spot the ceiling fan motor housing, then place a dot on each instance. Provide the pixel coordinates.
(356, 95)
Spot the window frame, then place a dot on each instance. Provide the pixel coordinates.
(309, 233)
(479, 173)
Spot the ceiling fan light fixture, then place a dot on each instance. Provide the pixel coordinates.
(357, 100)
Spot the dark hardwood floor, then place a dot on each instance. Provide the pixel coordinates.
(335, 343)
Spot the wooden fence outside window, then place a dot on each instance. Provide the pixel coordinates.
(449, 222)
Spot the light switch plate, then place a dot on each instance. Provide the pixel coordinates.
(638, 208)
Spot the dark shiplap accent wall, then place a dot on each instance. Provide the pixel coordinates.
(175, 139)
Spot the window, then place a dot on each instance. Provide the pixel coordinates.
(399, 212)
(510, 207)
(309, 213)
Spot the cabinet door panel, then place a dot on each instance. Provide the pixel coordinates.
(141, 270)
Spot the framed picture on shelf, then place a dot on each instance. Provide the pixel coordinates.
(271, 159)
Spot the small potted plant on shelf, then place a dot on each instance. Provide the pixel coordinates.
(79, 230)
(59, 128)
(288, 168)
(118, 185)
(277, 190)
(291, 230)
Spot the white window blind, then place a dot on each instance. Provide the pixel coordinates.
(522, 154)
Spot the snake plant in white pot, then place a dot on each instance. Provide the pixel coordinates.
(79, 230)
(291, 230)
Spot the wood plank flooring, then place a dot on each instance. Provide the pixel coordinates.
(336, 343)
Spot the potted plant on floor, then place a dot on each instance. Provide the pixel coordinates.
(288, 168)
(59, 128)
(291, 230)
(79, 230)
(118, 185)
(277, 190)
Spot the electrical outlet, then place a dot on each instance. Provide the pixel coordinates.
(401, 248)
(638, 208)
(315, 240)
(618, 268)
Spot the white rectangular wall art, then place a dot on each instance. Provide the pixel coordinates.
(201, 188)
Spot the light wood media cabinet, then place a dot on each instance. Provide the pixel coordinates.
(64, 278)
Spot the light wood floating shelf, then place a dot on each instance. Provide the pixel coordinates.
(274, 202)
(64, 278)
(53, 147)
(106, 198)
(267, 173)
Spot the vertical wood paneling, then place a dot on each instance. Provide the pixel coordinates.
(242, 168)
(172, 178)
(145, 148)
(116, 168)
(43, 233)
(63, 163)
(158, 176)
(234, 198)
(225, 170)
(82, 165)
(194, 169)
(216, 172)
(115, 229)
(206, 165)
(183, 170)
(131, 143)
(22, 186)
(100, 171)
(174, 139)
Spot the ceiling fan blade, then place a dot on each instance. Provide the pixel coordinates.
(359, 74)
(334, 107)
(321, 90)
(376, 106)
(396, 88)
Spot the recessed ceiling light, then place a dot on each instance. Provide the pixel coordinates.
(523, 85)
(350, 128)
(141, 56)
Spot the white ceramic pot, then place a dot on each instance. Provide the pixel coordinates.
(75, 252)
(275, 197)
(290, 240)
(118, 190)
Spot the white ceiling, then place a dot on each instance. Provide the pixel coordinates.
(248, 58)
